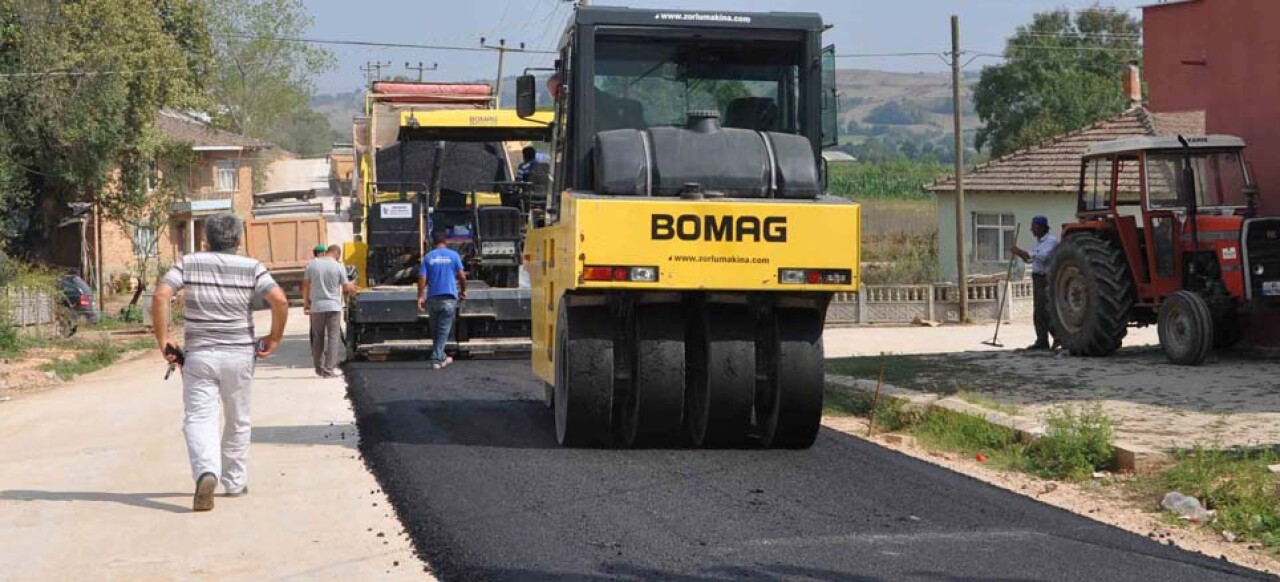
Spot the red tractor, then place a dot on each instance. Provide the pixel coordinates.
(1167, 233)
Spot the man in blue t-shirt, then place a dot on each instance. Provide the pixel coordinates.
(441, 283)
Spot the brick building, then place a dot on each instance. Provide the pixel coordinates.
(1219, 57)
(221, 179)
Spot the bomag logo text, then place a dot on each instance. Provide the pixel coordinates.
(711, 228)
(484, 120)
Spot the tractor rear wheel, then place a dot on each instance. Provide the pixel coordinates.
(1185, 328)
(1090, 293)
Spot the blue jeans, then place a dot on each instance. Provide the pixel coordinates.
(441, 309)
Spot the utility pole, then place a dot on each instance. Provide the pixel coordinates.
(502, 49)
(961, 267)
(373, 71)
(421, 68)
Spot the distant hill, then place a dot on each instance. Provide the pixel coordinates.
(875, 102)
(924, 98)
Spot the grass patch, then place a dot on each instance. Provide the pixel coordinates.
(987, 402)
(899, 242)
(1076, 443)
(1077, 440)
(971, 435)
(97, 356)
(1235, 483)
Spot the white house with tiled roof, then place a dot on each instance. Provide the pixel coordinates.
(1009, 190)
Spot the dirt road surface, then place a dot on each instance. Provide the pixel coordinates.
(94, 483)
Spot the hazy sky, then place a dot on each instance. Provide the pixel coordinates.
(861, 26)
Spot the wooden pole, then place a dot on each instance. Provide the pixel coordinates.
(962, 268)
(875, 402)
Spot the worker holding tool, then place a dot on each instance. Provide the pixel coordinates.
(324, 284)
(442, 283)
(220, 349)
(1040, 256)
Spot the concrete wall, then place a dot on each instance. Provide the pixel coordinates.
(1058, 207)
(1220, 56)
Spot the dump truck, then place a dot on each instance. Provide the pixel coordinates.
(433, 157)
(682, 270)
(284, 245)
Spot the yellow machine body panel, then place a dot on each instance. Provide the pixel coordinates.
(496, 122)
(355, 253)
(727, 245)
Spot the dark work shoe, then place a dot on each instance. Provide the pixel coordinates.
(205, 487)
(1038, 346)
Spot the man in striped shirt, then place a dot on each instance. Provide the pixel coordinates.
(220, 349)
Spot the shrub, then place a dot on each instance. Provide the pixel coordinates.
(1077, 442)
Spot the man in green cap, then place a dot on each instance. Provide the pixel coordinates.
(323, 285)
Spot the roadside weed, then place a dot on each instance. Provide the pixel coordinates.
(1077, 442)
(98, 355)
(1236, 484)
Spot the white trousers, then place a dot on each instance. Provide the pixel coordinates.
(215, 386)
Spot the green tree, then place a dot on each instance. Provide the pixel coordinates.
(81, 82)
(1062, 72)
(264, 84)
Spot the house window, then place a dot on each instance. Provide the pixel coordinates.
(992, 237)
(145, 242)
(226, 175)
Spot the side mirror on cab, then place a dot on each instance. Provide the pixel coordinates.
(526, 95)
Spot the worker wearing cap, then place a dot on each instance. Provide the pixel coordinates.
(323, 285)
(1040, 257)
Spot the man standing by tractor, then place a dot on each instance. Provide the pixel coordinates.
(442, 282)
(323, 285)
(1039, 257)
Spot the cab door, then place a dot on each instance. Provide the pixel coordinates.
(1162, 227)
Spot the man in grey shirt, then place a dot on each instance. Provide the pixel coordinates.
(323, 285)
(220, 349)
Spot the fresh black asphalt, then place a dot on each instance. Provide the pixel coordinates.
(468, 458)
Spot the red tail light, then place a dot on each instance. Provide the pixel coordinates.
(597, 273)
(620, 274)
(84, 302)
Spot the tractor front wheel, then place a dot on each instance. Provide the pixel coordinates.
(1185, 328)
(1090, 292)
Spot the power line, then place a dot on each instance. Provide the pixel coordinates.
(1015, 46)
(1103, 35)
(433, 47)
(878, 55)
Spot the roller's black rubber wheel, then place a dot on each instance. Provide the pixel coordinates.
(792, 413)
(1185, 328)
(1090, 292)
(583, 399)
(721, 375)
(654, 408)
